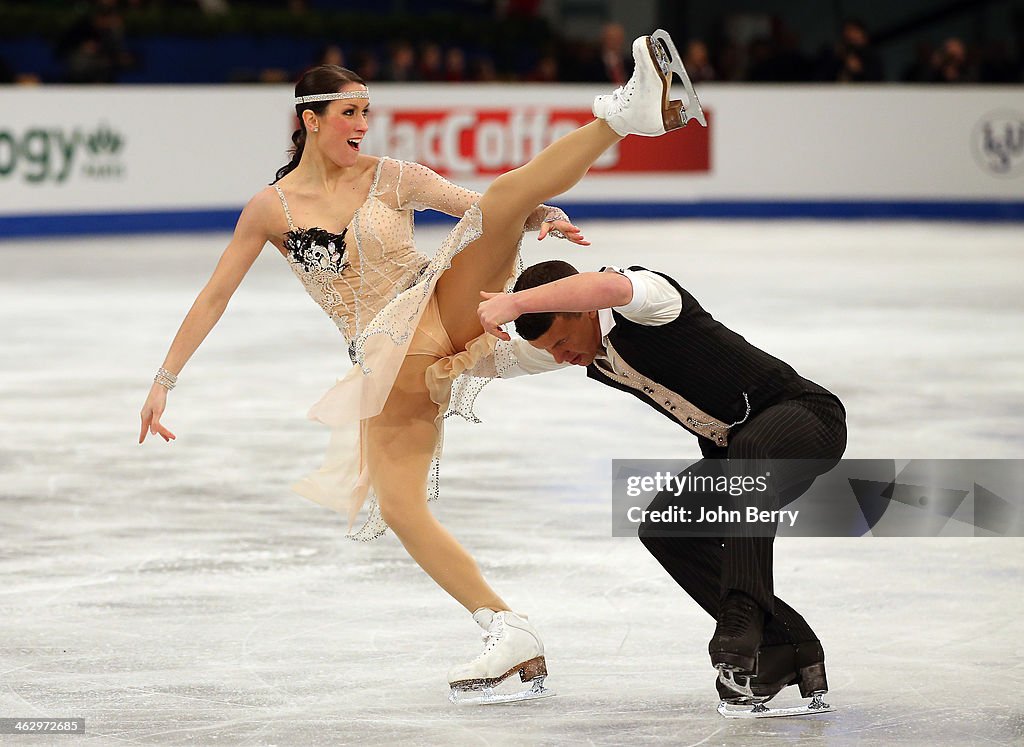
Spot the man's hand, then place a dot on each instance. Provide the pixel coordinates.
(565, 228)
(497, 309)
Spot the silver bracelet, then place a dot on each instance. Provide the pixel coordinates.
(554, 231)
(165, 379)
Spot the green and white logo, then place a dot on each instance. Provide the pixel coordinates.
(53, 155)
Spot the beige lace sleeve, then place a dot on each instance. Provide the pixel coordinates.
(422, 188)
(543, 214)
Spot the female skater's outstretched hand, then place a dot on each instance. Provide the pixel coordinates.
(151, 412)
(567, 229)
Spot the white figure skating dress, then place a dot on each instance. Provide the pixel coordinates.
(377, 287)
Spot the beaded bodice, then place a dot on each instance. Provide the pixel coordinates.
(352, 275)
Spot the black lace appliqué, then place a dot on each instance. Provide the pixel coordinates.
(317, 249)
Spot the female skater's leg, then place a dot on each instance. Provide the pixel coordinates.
(508, 202)
(401, 444)
(642, 106)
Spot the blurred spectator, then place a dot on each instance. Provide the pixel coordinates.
(698, 65)
(9, 75)
(742, 44)
(921, 70)
(214, 7)
(401, 68)
(274, 75)
(455, 65)
(482, 70)
(92, 49)
(613, 59)
(580, 61)
(728, 63)
(545, 71)
(430, 67)
(787, 64)
(330, 54)
(851, 60)
(366, 65)
(760, 54)
(951, 64)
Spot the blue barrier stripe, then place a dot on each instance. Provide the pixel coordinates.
(77, 224)
(188, 221)
(847, 210)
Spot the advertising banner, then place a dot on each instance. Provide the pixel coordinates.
(188, 158)
(478, 142)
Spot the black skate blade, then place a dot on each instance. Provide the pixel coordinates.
(692, 110)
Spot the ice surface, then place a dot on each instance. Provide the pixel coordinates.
(182, 595)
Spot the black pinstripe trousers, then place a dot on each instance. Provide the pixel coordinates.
(812, 427)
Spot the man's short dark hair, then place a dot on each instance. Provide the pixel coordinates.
(532, 326)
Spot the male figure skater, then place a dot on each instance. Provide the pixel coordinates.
(639, 331)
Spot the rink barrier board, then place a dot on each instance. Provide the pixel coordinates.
(90, 159)
(199, 221)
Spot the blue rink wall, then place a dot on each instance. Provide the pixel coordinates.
(116, 160)
(192, 221)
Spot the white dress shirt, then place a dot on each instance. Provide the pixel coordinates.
(655, 302)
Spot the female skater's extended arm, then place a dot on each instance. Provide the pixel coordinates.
(421, 187)
(249, 238)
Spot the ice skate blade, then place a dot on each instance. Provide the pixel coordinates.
(731, 710)
(675, 113)
(738, 682)
(495, 695)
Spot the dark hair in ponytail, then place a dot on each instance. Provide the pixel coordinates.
(320, 79)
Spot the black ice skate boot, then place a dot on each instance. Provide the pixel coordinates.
(776, 669)
(738, 635)
(810, 666)
(778, 666)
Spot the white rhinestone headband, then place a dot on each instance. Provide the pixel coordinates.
(364, 94)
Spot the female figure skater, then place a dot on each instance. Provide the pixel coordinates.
(344, 223)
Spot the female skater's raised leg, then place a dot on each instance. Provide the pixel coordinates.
(642, 106)
(508, 202)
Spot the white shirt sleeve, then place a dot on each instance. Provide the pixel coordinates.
(655, 301)
(529, 360)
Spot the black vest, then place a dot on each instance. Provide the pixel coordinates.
(706, 364)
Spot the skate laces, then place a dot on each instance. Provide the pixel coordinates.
(622, 93)
(491, 636)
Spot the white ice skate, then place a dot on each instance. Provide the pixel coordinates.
(642, 106)
(510, 668)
